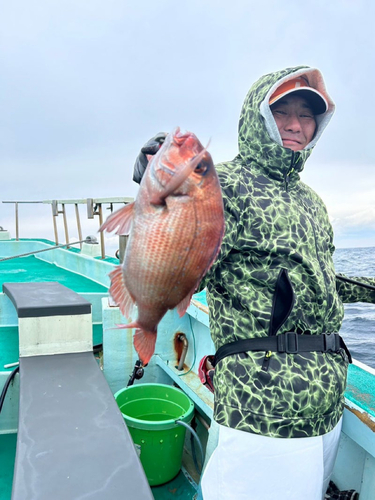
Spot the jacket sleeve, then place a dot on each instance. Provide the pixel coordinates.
(351, 292)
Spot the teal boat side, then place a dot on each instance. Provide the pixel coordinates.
(360, 389)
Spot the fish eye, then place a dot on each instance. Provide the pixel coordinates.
(201, 168)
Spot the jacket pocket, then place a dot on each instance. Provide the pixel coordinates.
(301, 385)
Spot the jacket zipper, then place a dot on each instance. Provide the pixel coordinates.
(329, 300)
(294, 160)
(266, 361)
(283, 286)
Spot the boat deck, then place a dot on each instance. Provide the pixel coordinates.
(35, 269)
(27, 269)
(7, 456)
(360, 393)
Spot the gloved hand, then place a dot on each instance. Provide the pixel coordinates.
(150, 148)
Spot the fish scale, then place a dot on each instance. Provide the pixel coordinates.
(153, 268)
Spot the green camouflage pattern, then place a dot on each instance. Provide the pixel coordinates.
(274, 221)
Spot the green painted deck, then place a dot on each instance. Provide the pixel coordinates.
(8, 346)
(179, 487)
(201, 297)
(7, 456)
(112, 260)
(27, 269)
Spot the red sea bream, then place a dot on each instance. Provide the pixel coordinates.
(175, 227)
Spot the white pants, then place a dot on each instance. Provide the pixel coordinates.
(246, 466)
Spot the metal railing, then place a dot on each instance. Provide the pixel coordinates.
(94, 208)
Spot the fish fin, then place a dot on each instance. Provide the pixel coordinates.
(144, 343)
(117, 327)
(120, 293)
(134, 324)
(121, 219)
(184, 304)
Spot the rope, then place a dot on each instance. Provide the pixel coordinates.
(87, 240)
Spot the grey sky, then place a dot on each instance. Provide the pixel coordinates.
(85, 83)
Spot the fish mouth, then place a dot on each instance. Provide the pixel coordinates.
(180, 137)
(173, 165)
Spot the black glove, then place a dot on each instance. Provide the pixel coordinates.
(150, 148)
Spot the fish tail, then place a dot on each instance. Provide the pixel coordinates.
(144, 343)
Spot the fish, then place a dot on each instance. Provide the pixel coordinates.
(175, 227)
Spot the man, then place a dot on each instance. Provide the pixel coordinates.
(278, 395)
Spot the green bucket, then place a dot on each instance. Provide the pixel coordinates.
(150, 412)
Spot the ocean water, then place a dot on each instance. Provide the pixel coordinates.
(358, 329)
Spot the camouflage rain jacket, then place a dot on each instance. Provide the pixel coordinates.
(275, 222)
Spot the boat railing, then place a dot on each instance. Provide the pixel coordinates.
(95, 207)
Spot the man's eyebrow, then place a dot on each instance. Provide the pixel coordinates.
(307, 106)
(286, 101)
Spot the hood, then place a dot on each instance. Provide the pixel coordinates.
(259, 140)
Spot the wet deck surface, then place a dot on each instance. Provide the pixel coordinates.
(26, 269)
(179, 488)
(7, 456)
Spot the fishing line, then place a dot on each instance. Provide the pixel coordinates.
(355, 282)
(87, 240)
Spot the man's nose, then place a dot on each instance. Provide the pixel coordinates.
(293, 123)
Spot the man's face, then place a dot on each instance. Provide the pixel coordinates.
(295, 121)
